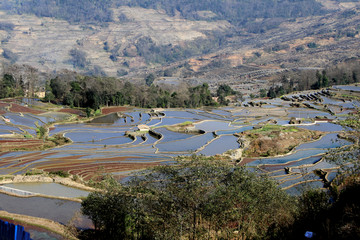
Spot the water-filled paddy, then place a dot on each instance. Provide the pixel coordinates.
(325, 127)
(220, 145)
(103, 137)
(83, 136)
(348, 88)
(328, 141)
(54, 209)
(43, 119)
(168, 135)
(183, 114)
(211, 126)
(236, 130)
(187, 145)
(171, 121)
(301, 187)
(292, 157)
(306, 113)
(24, 120)
(5, 132)
(37, 234)
(53, 189)
(154, 122)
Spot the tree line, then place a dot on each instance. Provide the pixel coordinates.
(93, 92)
(340, 74)
(19, 81)
(238, 12)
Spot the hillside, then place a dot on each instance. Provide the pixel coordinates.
(183, 39)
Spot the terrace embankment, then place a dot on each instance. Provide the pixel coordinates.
(273, 140)
(185, 127)
(45, 178)
(38, 223)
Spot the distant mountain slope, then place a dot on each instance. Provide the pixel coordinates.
(47, 43)
(208, 38)
(235, 11)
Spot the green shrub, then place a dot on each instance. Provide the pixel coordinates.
(60, 173)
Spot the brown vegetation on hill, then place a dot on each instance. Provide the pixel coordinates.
(271, 140)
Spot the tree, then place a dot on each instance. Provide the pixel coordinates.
(271, 93)
(225, 90)
(195, 198)
(262, 93)
(149, 79)
(78, 58)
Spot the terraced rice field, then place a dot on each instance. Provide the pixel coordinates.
(101, 146)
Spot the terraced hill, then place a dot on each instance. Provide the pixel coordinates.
(207, 44)
(45, 43)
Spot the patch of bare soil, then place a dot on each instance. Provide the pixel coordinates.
(18, 108)
(107, 110)
(72, 111)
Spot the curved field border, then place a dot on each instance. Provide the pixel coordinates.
(36, 222)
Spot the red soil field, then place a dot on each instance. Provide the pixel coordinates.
(89, 170)
(12, 144)
(2, 104)
(72, 111)
(26, 158)
(18, 108)
(108, 110)
(9, 100)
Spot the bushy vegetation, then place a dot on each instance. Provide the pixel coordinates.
(196, 198)
(60, 173)
(19, 80)
(9, 87)
(78, 58)
(85, 91)
(6, 26)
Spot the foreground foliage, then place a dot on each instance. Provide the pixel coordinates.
(193, 199)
